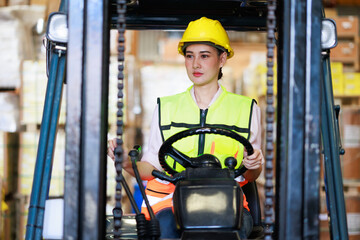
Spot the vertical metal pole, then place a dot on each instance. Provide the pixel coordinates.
(73, 118)
(298, 153)
(331, 147)
(290, 121)
(312, 120)
(94, 120)
(88, 56)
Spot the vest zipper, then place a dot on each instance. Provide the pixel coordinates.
(203, 113)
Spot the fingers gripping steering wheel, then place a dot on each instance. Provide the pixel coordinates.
(167, 149)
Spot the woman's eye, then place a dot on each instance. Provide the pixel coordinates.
(204, 56)
(188, 56)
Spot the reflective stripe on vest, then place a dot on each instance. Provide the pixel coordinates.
(159, 194)
(180, 112)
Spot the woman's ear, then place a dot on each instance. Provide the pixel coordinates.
(223, 58)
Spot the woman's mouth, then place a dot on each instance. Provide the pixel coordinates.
(197, 74)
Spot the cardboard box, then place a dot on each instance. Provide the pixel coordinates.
(28, 154)
(352, 84)
(9, 112)
(3, 3)
(33, 93)
(336, 68)
(347, 26)
(352, 204)
(18, 2)
(353, 215)
(350, 131)
(16, 41)
(351, 3)
(346, 51)
(337, 83)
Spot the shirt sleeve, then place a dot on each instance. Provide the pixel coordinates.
(255, 130)
(155, 142)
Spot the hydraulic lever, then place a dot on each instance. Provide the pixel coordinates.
(153, 227)
(141, 223)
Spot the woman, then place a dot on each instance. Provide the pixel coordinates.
(205, 46)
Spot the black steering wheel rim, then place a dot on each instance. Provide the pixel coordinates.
(167, 149)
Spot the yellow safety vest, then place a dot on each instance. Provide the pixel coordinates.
(231, 111)
(180, 112)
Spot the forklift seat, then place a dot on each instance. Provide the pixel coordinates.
(252, 196)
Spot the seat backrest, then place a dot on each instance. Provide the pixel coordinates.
(252, 196)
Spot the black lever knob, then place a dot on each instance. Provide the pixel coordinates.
(230, 162)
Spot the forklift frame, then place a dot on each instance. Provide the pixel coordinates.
(304, 106)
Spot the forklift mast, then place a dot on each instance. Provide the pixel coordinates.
(307, 125)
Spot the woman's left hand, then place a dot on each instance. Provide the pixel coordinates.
(254, 161)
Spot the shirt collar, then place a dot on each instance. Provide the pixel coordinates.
(217, 94)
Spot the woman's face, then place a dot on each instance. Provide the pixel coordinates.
(203, 63)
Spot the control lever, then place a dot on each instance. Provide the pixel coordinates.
(131, 197)
(231, 162)
(153, 227)
(134, 157)
(141, 223)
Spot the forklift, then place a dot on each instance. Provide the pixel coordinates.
(307, 130)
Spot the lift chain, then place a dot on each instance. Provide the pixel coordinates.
(117, 211)
(270, 112)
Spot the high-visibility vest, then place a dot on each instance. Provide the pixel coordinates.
(179, 112)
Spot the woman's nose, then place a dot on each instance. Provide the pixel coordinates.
(196, 63)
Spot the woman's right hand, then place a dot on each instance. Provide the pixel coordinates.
(126, 164)
(111, 148)
(145, 169)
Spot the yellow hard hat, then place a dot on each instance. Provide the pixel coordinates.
(206, 30)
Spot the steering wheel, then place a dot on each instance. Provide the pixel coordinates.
(167, 148)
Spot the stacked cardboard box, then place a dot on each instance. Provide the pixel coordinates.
(350, 128)
(337, 76)
(352, 84)
(350, 121)
(9, 111)
(347, 50)
(16, 41)
(28, 155)
(11, 49)
(33, 92)
(344, 83)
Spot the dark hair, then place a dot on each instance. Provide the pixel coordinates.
(220, 74)
(220, 71)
